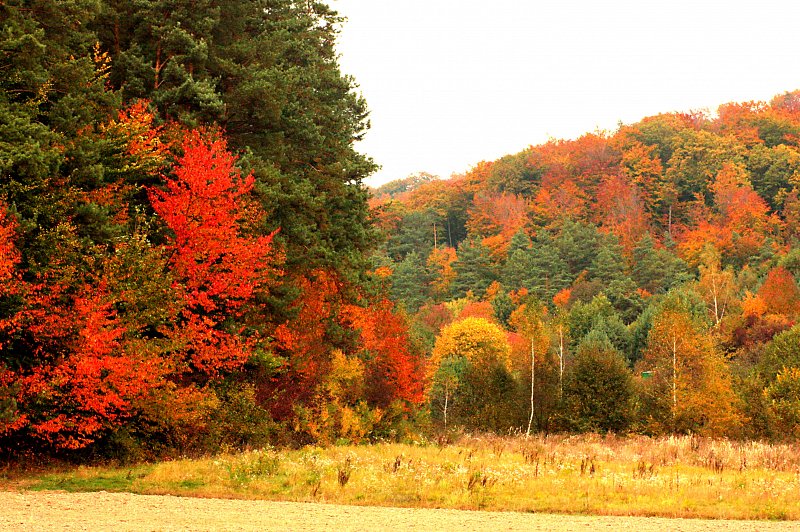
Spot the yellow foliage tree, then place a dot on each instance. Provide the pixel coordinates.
(440, 261)
(482, 343)
(528, 320)
(716, 286)
(469, 350)
(691, 387)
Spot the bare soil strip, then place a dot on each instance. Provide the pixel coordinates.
(30, 511)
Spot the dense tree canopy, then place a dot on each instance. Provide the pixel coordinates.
(189, 258)
(665, 254)
(179, 188)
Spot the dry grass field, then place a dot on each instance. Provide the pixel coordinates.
(684, 477)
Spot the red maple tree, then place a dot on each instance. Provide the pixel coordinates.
(392, 370)
(218, 266)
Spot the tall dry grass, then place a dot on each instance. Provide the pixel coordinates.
(682, 476)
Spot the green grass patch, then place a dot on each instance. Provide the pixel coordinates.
(187, 484)
(92, 479)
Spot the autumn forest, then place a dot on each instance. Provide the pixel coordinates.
(191, 262)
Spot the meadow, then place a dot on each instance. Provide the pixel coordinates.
(587, 474)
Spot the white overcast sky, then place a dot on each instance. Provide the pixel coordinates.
(450, 83)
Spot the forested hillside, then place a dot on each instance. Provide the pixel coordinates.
(641, 280)
(184, 232)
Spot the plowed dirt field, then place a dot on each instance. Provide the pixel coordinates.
(30, 511)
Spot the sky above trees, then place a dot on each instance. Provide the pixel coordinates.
(452, 82)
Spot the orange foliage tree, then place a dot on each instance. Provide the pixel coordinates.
(643, 168)
(440, 262)
(477, 309)
(393, 372)
(379, 337)
(780, 292)
(691, 385)
(621, 211)
(9, 259)
(739, 227)
(302, 341)
(9, 255)
(559, 201)
(497, 217)
(716, 286)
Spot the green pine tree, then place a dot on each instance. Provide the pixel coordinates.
(474, 269)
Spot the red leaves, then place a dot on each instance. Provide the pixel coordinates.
(742, 221)
(99, 335)
(304, 336)
(218, 267)
(477, 309)
(393, 372)
(204, 206)
(780, 292)
(93, 385)
(130, 335)
(94, 380)
(559, 201)
(9, 255)
(9, 258)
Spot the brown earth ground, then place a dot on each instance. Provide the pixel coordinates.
(124, 511)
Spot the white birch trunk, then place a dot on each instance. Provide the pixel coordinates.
(533, 382)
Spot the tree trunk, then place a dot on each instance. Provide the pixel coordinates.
(446, 397)
(560, 362)
(533, 382)
(674, 379)
(669, 224)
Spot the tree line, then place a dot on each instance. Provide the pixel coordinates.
(190, 261)
(637, 280)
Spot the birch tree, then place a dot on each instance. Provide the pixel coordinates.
(690, 389)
